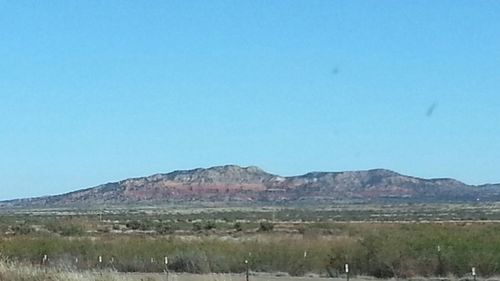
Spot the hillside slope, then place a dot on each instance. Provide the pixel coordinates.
(233, 183)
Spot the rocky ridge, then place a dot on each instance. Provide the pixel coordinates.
(233, 183)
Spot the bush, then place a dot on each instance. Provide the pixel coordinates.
(22, 229)
(190, 262)
(165, 228)
(66, 229)
(197, 226)
(135, 225)
(237, 226)
(266, 226)
(71, 230)
(209, 225)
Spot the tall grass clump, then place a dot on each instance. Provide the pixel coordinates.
(15, 271)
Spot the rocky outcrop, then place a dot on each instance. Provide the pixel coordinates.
(233, 183)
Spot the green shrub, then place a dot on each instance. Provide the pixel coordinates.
(66, 228)
(209, 225)
(135, 225)
(197, 226)
(22, 229)
(165, 228)
(266, 226)
(237, 226)
(191, 262)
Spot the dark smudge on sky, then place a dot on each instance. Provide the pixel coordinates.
(431, 109)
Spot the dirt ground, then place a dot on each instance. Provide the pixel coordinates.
(279, 277)
(241, 277)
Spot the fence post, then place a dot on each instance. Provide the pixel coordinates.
(166, 266)
(347, 271)
(440, 268)
(45, 259)
(248, 270)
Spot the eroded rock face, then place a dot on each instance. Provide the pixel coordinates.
(252, 184)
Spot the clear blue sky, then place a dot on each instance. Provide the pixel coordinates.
(98, 91)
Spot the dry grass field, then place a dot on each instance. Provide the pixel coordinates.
(214, 241)
(18, 272)
(15, 271)
(10, 271)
